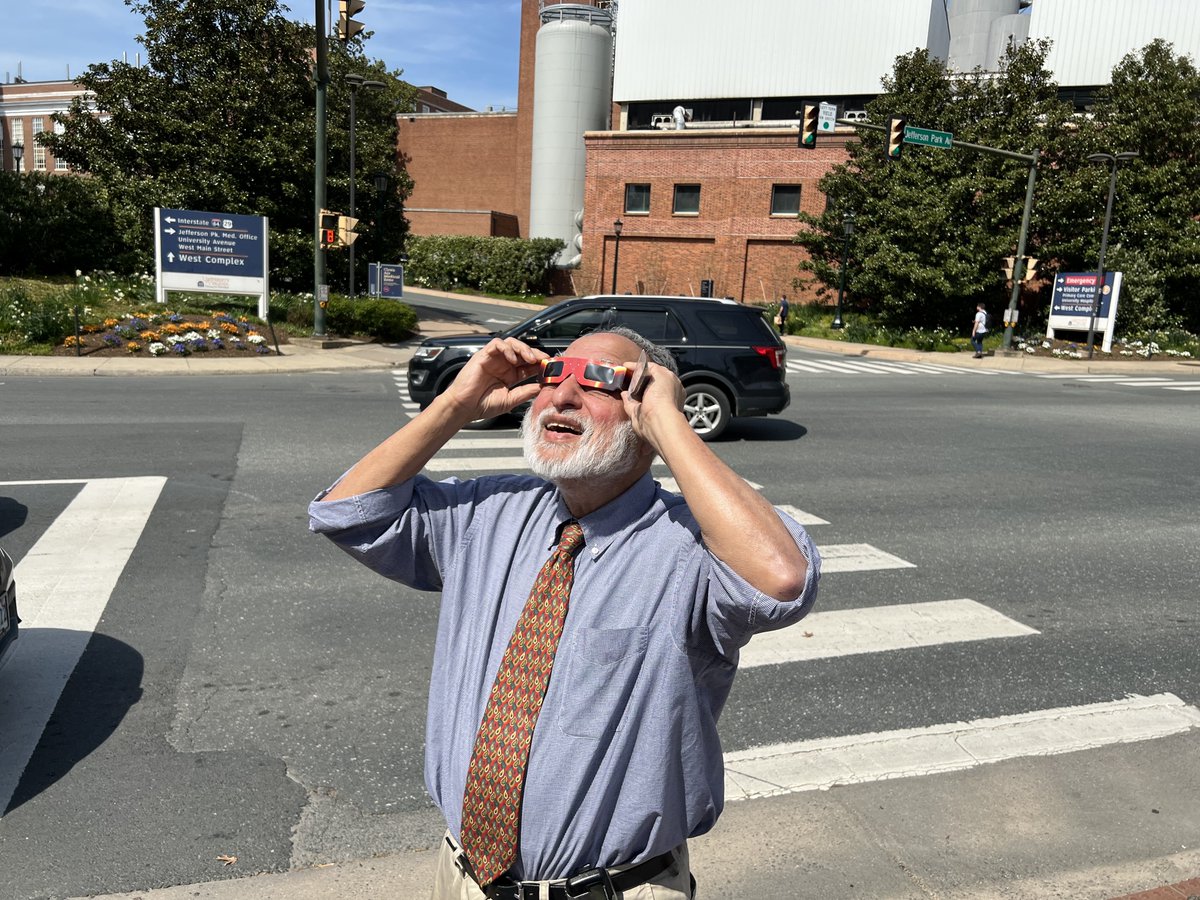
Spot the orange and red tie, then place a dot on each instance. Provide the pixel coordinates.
(491, 815)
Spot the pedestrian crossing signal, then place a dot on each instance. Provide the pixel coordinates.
(345, 230)
(895, 131)
(808, 127)
(329, 229)
(347, 27)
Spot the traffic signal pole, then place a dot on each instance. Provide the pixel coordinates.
(321, 78)
(1019, 262)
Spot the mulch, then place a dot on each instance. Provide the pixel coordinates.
(101, 341)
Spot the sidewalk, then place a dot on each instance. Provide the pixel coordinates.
(301, 355)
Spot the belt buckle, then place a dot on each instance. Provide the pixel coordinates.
(593, 883)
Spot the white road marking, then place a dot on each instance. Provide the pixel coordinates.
(826, 762)
(483, 443)
(65, 581)
(880, 628)
(804, 518)
(1182, 387)
(1135, 382)
(476, 464)
(858, 558)
(670, 484)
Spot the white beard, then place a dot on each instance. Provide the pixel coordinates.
(588, 459)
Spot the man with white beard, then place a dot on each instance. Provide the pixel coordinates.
(571, 738)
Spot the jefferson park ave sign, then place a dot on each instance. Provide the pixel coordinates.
(213, 252)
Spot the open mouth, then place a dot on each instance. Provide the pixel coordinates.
(563, 426)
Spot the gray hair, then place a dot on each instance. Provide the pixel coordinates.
(654, 353)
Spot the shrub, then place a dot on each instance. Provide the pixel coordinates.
(384, 320)
(33, 321)
(489, 264)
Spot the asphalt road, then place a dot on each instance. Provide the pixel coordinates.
(249, 691)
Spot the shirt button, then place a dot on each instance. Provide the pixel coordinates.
(595, 551)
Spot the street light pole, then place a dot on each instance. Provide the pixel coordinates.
(847, 232)
(617, 226)
(355, 82)
(1112, 161)
(383, 184)
(18, 151)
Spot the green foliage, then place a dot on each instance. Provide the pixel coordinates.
(26, 320)
(489, 264)
(384, 320)
(932, 228)
(222, 118)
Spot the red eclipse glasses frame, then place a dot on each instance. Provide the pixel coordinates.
(587, 373)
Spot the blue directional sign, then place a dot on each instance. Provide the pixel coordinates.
(1075, 292)
(211, 251)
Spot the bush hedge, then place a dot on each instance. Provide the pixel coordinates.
(384, 320)
(490, 264)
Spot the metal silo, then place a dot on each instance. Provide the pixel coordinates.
(970, 31)
(572, 93)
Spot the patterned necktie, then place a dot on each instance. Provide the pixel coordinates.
(491, 813)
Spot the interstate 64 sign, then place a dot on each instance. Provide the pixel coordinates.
(223, 253)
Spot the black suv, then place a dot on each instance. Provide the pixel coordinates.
(730, 361)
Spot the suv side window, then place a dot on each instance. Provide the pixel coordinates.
(573, 324)
(657, 325)
(733, 325)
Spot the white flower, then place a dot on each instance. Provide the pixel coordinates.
(235, 340)
(193, 336)
(78, 273)
(157, 349)
(1045, 345)
(173, 339)
(1030, 350)
(256, 338)
(213, 333)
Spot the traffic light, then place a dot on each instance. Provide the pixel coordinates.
(345, 231)
(1030, 265)
(895, 131)
(1009, 262)
(808, 127)
(347, 9)
(329, 225)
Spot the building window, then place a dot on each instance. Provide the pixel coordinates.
(687, 200)
(17, 136)
(637, 199)
(785, 199)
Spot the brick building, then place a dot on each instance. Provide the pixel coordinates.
(697, 205)
(25, 111)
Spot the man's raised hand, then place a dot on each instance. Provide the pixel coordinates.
(489, 384)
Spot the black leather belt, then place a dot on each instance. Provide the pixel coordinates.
(592, 884)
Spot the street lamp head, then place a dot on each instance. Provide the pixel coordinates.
(617, 226)
(848, 223)
(382, 182)
(353, 80)
(18, 151)
(1128, 155)
(1101, 158)
(374, 85)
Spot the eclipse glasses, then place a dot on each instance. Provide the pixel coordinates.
(587, 373)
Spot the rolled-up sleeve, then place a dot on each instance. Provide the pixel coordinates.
(737, 611)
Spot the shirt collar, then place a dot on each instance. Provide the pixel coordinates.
(617, 517)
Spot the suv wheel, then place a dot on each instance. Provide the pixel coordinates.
(706, 409)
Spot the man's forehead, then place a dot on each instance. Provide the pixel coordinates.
(606, 348)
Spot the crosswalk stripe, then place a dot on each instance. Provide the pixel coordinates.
(66, 580)
(1182, 387)
(476, 463)
(1138, 382)
(880, 628)
(858, 558)
(804, 518)
(670, 484)
(856, 759)
(483, 443)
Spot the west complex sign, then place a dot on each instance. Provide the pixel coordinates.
(212, 252)
(1074, 296)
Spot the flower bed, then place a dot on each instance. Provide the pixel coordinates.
(1131, 350)
(170, 334)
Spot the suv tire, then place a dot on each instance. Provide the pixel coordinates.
(707, 410)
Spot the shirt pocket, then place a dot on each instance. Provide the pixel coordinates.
(602, 672)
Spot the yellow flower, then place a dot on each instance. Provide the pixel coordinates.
(133, 347)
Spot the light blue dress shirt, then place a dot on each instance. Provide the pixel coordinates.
(626, 762)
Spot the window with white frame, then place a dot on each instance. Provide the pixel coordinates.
(60, 165)
(17, 134)
(39, 152)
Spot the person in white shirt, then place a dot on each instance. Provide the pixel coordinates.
(979, 330)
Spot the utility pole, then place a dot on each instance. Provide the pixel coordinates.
(321, 78)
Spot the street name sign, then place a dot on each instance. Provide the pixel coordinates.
(212, 252)
(385, 280)
(927, 137)
(1071, 304)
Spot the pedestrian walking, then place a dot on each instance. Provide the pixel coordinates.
(979, 329)
(782, 318)
(571, 734)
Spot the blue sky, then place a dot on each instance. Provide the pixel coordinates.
(468, 48)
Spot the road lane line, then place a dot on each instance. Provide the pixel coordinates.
(856, 759)
(880, 628)
(1181, 387)
(476, 464)
(483, 443)
(65, 582)
(858, 558)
